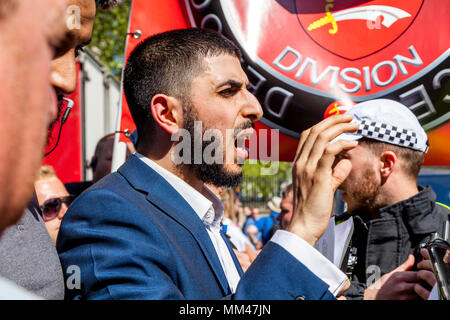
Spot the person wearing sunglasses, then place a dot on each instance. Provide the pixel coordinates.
(53, 199)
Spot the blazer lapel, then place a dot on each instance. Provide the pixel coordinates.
(167, 199)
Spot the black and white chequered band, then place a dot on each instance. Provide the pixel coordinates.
(390, 134)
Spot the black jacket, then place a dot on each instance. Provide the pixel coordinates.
(387, 241)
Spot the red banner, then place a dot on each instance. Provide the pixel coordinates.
(303, 56)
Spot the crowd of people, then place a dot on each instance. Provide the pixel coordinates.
(159, 230)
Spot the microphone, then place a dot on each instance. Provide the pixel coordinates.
(70, 105)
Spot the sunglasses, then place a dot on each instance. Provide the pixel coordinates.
(51, 207)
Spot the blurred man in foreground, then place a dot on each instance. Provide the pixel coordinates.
(39, 46)
(30, 32)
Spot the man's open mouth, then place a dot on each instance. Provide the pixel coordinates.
(240, 138)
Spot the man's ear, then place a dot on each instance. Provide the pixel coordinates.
(388, 160)
(93, 162)
(167, 112)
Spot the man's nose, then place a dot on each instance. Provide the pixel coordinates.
(62, 211)
(64, 73)
(251, 108)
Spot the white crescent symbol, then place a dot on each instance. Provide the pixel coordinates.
(390, 14)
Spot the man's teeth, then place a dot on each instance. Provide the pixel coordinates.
(242, 153)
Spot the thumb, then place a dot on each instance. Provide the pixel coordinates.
(340, 172)
(408, 264)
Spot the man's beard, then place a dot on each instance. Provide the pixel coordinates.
(366, 198)
(214, 173)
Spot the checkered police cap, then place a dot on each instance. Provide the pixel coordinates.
(387, 121)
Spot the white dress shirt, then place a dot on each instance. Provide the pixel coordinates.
(210, 211)
(11, 291)
(236, 236)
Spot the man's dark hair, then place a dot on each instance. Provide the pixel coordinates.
(411, 159)
(167, 63)
(106, 4)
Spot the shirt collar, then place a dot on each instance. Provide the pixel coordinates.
(207, 206)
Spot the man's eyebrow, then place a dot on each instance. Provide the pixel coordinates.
(232, 83)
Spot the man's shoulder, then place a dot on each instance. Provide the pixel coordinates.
(443, 209)
(113, 185)
(104, 202)
(443, 215)
(110, 207)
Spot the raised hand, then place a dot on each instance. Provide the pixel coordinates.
(316, 174)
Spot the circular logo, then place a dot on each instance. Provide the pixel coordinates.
(302, 56)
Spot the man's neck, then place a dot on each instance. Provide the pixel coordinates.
(401, 191)
(394, 193)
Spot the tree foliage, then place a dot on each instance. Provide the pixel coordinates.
(109, 36)
(260, 184)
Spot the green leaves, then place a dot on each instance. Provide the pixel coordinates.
(109, 36)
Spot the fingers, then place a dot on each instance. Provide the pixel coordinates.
(322, 143)
(408, 264)
(425, 254)
(308, 137)
(402, 291)
(321, 134)
(404, 276)
(421, 291)
(343, 167)
(427, 276)
(340, 172)
(425, 265)
(303, 137)
(447, 257)
(407, 289)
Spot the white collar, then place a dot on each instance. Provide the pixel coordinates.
(207, 206)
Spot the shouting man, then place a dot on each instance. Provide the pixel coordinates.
(152, 229)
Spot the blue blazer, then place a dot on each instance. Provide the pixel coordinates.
(134, 237)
